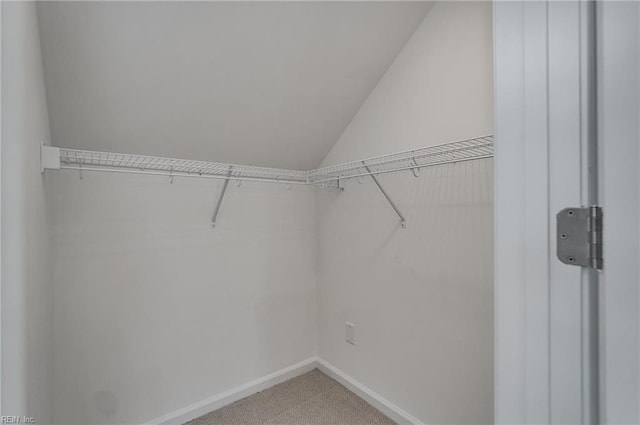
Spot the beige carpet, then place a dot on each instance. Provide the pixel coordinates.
(309, 399)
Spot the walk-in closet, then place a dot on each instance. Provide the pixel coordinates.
(248, 212)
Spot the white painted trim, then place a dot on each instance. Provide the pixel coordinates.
(195, 410)
(205, 406)
(371, 397)
(544, 315)
(619, 155)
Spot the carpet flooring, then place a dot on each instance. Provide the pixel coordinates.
(309, 399)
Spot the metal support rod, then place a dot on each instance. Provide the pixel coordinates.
(403, 222)
(222, 192)
(415, 171)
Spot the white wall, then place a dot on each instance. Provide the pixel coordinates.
(421, 297)
(27, 300)
(154, 310)
(277, 82)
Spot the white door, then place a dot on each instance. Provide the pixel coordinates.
(567, 113)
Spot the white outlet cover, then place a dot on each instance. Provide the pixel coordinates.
(350, 333)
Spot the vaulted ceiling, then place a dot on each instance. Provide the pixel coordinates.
(259, 83)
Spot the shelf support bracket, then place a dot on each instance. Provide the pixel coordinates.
(403, 222)
(49, 158)
(220, 197)
(416, 170)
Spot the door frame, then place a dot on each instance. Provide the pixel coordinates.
(546, 353)
(551, 154)
(619, 185)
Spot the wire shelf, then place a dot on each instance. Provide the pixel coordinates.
(106, 161)
(462, 150)
(328, 177)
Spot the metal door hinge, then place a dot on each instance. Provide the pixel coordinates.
(580, 236)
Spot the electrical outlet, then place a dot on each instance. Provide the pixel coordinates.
(350, 333)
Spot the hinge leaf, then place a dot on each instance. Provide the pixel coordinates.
(579, 236)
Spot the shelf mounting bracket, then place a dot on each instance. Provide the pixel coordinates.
(403, 222)
(220, 197)
(416, 170)
(49, 158)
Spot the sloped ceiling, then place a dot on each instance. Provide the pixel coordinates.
(259, 83)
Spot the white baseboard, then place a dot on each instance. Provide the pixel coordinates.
(374, 399)
(203, 407)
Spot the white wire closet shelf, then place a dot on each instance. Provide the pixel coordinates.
(462, 150)
(414, 160)
(84, 160)
(105, 161)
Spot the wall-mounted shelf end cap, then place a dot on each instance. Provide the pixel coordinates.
(49, 158)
